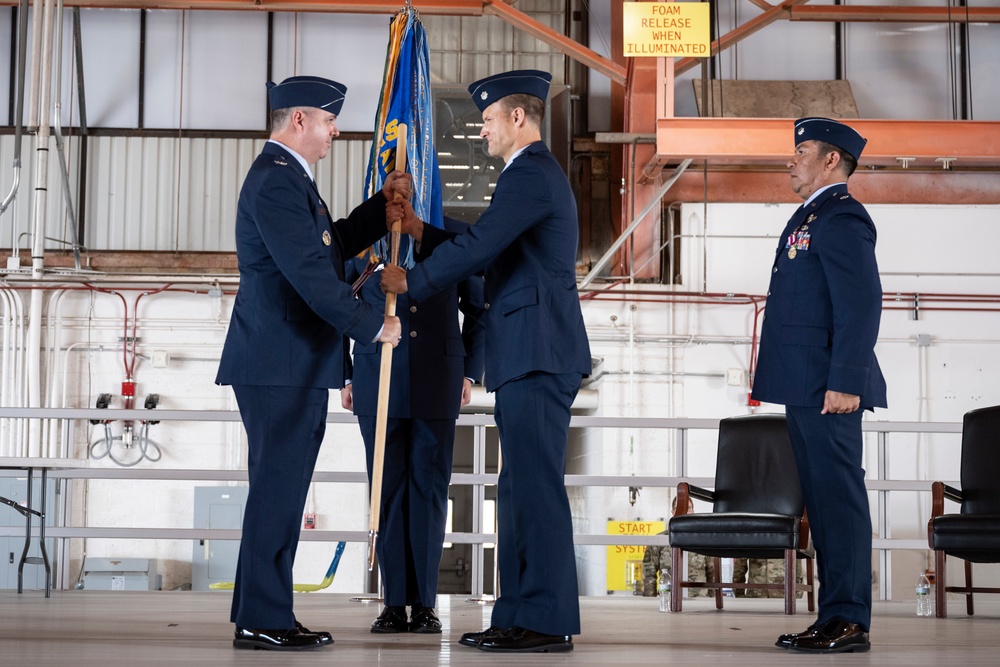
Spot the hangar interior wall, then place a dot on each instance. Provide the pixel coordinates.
(657, 358)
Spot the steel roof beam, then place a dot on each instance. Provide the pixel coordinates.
(895, 143)
(574, 50)
(443, 7)
(851, 14)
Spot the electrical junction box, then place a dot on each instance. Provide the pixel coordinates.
(214, 561)
(121, 574)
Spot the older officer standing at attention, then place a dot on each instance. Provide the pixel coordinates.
(286, 344)
(536, 356)
(817, 358)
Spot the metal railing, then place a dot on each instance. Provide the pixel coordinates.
(478, 479)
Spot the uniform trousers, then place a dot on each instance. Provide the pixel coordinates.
(285, 427)
(414, 507)
(536, 560)
(828, 453)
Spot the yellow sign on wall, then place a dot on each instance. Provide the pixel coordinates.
(666, 29)
(625, 560)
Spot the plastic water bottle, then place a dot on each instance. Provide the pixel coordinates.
(925, 605)
(664, 589)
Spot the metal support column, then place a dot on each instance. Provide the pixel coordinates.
(478, 503)
(884, 529)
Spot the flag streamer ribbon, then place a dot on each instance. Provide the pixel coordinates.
(405, 98)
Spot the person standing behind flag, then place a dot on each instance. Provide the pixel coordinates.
(426, 387)
(286, 344)
(433, 370)
(537, 354)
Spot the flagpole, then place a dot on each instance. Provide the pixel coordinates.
(384, 376)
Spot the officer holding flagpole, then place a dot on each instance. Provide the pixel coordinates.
(286, 346)
(537, 353)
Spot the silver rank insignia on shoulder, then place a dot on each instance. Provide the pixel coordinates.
(326, 237)
(845, 197)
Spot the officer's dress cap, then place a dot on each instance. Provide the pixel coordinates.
(307, 91)
(520, 81)
(831, 131)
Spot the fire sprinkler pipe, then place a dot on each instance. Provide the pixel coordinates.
(22, 40)
(42, 135)
(36, 49)
(60, 144)
(11, 385)
(914, 302)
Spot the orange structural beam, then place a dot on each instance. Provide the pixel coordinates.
(898, 143)
(574, 50)
(871, 186)
(844, 13)
(772, 14)
(498, 8)
(441, 7)
(795, 10)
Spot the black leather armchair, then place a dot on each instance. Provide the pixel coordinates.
(757, 510)
(974, 533)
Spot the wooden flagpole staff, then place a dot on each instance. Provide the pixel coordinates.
(384, 376)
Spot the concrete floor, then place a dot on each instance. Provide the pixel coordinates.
(168, 628)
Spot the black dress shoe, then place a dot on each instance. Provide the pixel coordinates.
(520, 640)
(423, 620)
(276, 640)
(392, 619)
(785, 641)
(834, 636)
(473, 638)
(326, 637)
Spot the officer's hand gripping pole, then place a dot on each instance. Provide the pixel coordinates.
(384, 375)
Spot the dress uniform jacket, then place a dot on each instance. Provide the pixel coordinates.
(289, 319)
(824, 304)
(526, 244)
(536, 354)
(820, 327)
(285, 348)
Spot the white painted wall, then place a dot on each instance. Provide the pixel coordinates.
(191, 329)
(657, 359)
(928, 249)
(204, 70)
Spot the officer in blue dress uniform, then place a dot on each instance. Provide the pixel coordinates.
(817, 358)
(433, 369)
(537, 353)
(286, 343)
